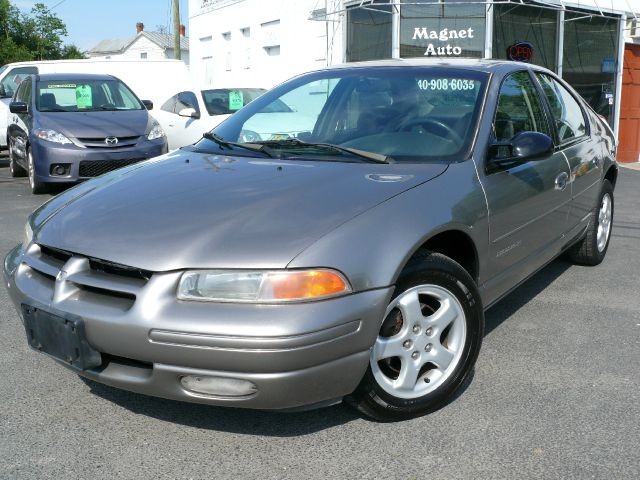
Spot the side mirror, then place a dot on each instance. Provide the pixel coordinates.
(524, 147)
(189, 112)
(148, 104)
(18, 107)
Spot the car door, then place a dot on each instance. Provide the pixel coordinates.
(9, 84)
(20, 123)
(528, 202)
(575, 142)
(180, 130)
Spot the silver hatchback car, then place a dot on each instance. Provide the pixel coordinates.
(351, 260)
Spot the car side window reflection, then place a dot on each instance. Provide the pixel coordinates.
(565, 109)
(20, 96)
(180, 101)
(14, 78)
(519, 108)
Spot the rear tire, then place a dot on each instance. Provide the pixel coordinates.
(37, 186)
(14, 169)
(428, 342)
(593, 247)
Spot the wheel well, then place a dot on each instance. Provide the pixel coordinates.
(456, 245)
(612, 175)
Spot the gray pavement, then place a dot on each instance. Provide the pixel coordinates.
(556, 394)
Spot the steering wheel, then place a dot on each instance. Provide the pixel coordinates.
(431, 124)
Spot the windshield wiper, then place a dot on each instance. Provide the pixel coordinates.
(55, 110)
(228, 144)
(295, 142)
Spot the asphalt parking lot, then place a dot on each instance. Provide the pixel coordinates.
(556, 394)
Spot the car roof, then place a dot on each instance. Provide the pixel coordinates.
(482, 65)
(73, 76)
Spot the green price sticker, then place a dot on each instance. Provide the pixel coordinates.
(83, 96)
(236, 100)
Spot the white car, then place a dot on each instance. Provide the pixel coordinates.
(187, 115)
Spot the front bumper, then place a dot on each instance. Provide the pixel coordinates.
(296, 355)
(46, 154)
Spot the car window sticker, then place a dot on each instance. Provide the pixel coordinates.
(83, 96)
(236, 100)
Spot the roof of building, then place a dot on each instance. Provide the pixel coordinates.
(118, 45)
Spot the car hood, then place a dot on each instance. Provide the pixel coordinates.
(122, 123)
(194, 210)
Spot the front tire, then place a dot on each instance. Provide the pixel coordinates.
(593, 247)
(428, 342)
(37, 186)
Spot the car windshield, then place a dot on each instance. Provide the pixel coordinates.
(85, 96)
(223, 101)
(406, 114)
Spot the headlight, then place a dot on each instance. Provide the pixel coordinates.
(156, 132)
(28, 235)
(262, 286)
(51, 136)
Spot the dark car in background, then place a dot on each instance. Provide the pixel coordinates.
(64, 128)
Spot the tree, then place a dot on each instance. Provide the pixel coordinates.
(48, 31)
(11, 52)
(35, 35)
(71, 52)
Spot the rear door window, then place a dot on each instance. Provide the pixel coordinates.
(567, 114)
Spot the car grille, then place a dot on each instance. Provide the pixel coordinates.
(64, 276)
(101, 142)
(93, 168)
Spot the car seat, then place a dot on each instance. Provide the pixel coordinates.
(48, 101)
(504, 127)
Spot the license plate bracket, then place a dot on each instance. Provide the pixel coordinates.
(60, 337)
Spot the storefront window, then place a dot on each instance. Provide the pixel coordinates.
(369, 32)
(525, 33)
(589, 59)
(449, 29)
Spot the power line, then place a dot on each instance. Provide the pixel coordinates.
(58, 4)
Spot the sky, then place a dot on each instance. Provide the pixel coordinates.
(89, 21)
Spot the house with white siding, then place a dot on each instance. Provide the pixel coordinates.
(143, 46)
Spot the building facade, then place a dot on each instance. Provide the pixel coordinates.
(262, 42)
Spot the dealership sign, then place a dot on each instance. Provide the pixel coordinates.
(442, 43)
(520, 52)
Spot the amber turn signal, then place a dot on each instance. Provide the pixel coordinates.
(297, 285)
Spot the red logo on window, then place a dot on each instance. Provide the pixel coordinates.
(520, 52)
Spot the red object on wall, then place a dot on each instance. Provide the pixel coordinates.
(629, 131)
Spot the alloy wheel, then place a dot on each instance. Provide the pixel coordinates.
(420, 343)
(604, 222)
(32, 180)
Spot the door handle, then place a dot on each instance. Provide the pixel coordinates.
(561, 181)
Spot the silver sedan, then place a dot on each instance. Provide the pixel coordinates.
(352, 258)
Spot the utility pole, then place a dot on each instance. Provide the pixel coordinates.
(176, 30)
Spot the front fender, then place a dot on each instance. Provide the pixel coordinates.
(372, 248)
